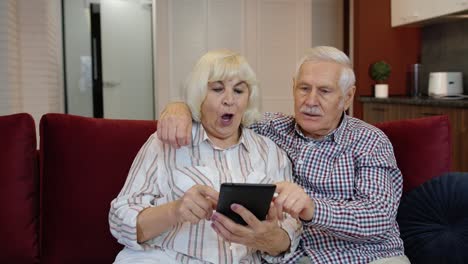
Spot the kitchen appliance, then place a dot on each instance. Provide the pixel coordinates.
(414, 79)
(445, 84)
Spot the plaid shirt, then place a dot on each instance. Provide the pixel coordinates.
(353, 179)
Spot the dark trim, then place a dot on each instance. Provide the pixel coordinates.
(346, 24)
(64, 60)
(152, 64)
(96, 60)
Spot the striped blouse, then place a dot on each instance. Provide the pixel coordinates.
(161, 174)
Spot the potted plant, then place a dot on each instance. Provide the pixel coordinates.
(379, 72)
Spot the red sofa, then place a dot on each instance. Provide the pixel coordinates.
(56, 200)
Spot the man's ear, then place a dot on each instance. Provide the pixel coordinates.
(349, 96)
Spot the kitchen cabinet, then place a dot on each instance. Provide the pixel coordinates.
(375, 112)
(451, 6)
(412, 11)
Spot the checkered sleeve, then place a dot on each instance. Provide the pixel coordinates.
(372, 212)
(265, 126)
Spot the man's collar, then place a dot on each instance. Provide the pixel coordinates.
(201, 136)
(336, 135)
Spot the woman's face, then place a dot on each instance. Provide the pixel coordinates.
(223, 109)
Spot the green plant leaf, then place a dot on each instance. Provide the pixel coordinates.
(380, 71)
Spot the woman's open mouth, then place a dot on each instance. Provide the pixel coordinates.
(226, 119)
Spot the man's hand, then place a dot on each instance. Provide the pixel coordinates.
(175, 125)
(197, 203)
(266, 236)
(293, 200)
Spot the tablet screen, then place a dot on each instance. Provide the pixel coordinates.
(255, 197)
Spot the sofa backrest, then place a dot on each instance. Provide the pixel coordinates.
(18, 190)
(84, 164)
(422, 148)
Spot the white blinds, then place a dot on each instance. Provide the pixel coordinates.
(10, 92)
(30, 57)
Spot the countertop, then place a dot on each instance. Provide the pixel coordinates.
(422, 100)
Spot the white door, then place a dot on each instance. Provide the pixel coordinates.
(127, 64)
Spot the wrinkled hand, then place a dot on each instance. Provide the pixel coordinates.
(197, 203)
(266, 236)
(175, 125)
(293, 200)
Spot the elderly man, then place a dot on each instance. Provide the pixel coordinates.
(348, 185)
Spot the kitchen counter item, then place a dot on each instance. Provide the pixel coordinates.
(445, 84)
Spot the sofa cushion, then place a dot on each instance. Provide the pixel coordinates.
(84, 164)
(421, 146)
(18, 190)
(433, 220)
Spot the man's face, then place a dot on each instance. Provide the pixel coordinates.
(318, 100)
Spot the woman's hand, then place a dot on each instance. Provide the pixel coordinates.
(197, 203)
(266, 236)
(293, 200)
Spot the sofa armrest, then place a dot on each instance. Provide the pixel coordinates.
(19, 190)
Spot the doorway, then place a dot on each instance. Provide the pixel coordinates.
(108, 58)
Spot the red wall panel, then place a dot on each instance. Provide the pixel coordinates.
(375, 39)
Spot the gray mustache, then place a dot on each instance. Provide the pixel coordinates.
(311, 110)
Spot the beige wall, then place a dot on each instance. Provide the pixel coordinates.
(327, 23)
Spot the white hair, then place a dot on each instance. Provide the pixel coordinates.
(331, 54)
(219, 65)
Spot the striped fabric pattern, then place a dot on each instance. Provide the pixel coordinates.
(160, 174)
(353, 178)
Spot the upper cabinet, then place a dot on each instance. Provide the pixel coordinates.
(413, 11)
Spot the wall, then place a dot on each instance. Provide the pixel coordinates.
(375, 39)
(445, 48)
(327, 23)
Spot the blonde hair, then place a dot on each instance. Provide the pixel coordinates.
(219, 65)
(331, 54)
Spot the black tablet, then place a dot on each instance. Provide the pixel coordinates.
(255, 197)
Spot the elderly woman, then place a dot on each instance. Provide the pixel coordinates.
(164, 212)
